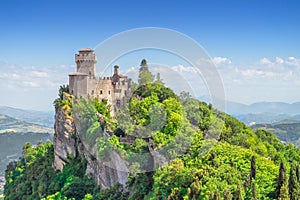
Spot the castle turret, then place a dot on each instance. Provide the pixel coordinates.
(86, 61)
(116, 69)
(83, 81)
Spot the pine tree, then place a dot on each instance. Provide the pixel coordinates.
(227, 194)
(254, 193)
(158, 79)
(195, 188)
(294, 188)
(238, 195)
(298, 173)
(284, 192)
(145, 75)
(217, 195)
(282, 178)
(253, 168)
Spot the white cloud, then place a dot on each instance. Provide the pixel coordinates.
(279, 60)
(181, 68)
(30, 84)
(253, 72)
(221, 60)
(265, 61)
(243, 83)
(39, 74)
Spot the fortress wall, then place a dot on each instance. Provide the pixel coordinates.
(85, 67)
(78, 85)
(121, 91)
(92, 86)
(105, 90)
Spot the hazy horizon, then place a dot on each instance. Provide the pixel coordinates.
(253, 44)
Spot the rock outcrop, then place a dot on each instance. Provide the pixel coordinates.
(64, 139)
(105, 171)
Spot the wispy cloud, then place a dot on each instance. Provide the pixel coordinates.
(267, 79)
(35, 86)
(39, 74)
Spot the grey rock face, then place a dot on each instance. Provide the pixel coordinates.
(64, 140)
(106, 171)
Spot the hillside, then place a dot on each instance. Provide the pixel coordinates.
(261, 112)
(286, 130)
(159, 146)
(200, 152)
(14, 134)
(37, 117)
(265, 118)
(9, 124)
(263, 107)
(11, 145)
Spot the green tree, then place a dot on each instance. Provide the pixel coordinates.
(294, 188)
(216, 195)
(239, 195)
(145, 75)
(284, 192)
(205, 117)
(227, 194)
(254, 192)
(281, 181)
(253, 168)
(158, 79)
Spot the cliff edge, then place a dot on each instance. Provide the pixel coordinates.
(68, 141)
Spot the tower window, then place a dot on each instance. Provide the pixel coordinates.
(118, 102)
(109, 92)
(101, 92)
(92, 92)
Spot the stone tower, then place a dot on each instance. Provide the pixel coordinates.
(84, 83)
(86, 61)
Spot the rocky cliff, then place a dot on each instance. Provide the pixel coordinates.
(68, 142)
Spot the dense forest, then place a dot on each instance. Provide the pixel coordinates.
(209, 154)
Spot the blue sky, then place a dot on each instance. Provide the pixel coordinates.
(254, 43)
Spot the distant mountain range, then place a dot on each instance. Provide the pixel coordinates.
(264, 112)
(15, 132)
(286, 130)
(277, 108)
(9, 124)
(31, 116)
(261, 112)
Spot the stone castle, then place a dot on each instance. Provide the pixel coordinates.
(84, 83)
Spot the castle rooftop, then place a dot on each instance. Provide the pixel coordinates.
(78, 74)
(86, 50)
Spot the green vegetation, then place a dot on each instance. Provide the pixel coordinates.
(286, 130)
(211, 154)
(11, 145)
(34, 178)
(145, 75)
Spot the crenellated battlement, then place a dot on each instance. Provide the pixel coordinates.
(86, 57)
